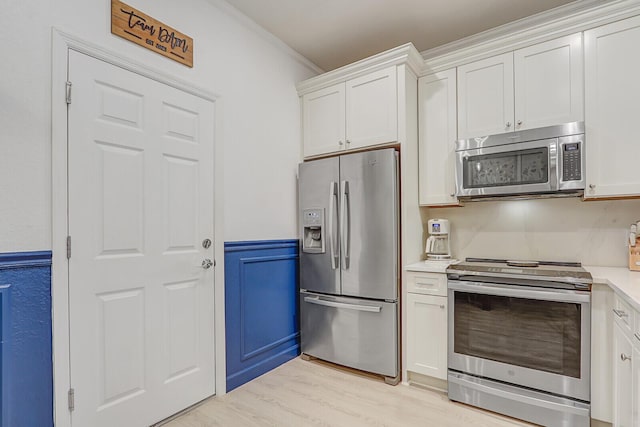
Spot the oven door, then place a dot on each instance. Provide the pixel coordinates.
(517, 168)
(528, 336)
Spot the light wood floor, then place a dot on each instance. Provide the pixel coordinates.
(301, 393)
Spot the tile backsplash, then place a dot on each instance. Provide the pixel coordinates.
(594, 233)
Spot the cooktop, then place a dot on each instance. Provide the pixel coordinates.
(569, 272)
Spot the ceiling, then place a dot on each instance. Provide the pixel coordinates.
(333, 33)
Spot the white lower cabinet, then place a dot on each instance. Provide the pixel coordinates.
(635, 367)
(622, 378)
(426, 328)
(427, 335)
(626, 365)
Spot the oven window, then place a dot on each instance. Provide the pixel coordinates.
(536, 334)
(510, 168)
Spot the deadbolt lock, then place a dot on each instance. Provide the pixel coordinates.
(206, 243)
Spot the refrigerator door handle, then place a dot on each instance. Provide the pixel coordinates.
(345, 224)
(333, 202)
(357, 307)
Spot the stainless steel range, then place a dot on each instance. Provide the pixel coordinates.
(519, 339)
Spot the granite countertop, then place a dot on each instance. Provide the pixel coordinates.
(624, 282)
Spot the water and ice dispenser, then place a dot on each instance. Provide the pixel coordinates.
(313, 231)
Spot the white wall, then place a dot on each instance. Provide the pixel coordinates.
(593, 233)
(254, 75)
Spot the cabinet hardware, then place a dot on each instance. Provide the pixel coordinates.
(592, 186)
(348, 142)
(71, 399)
(508, 124)
(68, 92)
(452, 194)
(340, 142)
(620, 313)
(637, 336)
(624, 357)
(519, 122)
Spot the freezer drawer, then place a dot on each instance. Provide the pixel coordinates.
(358, 333)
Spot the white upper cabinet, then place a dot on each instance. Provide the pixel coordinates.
(549, 83)
(537, 86)
(357, 113)
(485, 97)
(612, 109)
(323, 114)
(437, 136)
(372, 109)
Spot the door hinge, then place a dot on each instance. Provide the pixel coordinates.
(68, 92)
(72, 398)
(68, 247)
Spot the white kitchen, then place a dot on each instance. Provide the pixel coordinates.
(161, 250)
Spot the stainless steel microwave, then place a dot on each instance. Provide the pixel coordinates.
(545, 162)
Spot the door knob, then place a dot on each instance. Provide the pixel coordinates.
(207, 263)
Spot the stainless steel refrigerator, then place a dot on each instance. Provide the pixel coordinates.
(348, 207)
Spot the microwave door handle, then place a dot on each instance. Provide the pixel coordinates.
(559, 295)
(333, 202)
(554, 167)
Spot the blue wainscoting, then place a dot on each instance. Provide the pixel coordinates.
(26, 369)
(261, 312)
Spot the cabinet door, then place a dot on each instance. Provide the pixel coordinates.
(601, 354)
(485, 97)
(372, 109)
(427, 335)
(622, 379)
(636, 381)
(612, 91)
(549, 83)
(323, 123)
(437, 132)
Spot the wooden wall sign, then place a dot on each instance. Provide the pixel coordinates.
(135, 26)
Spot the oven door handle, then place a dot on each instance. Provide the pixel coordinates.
(560, 295)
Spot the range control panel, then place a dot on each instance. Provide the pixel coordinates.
(572, 161)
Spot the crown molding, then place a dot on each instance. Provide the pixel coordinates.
(406, 54)
(561, 21)
(250, 24)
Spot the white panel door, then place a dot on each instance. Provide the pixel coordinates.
(437, 133)
(323, 121)
(612, 90)
(485, 97)
(140, 204)
(372, 109)
(427, 335)
(549, 83)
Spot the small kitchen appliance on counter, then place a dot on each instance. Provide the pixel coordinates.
(437, 247)
(519, 339)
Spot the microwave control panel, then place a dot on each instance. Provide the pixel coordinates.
(572, 161)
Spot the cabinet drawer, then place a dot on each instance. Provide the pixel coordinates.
(427, 283)
(623, 314)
